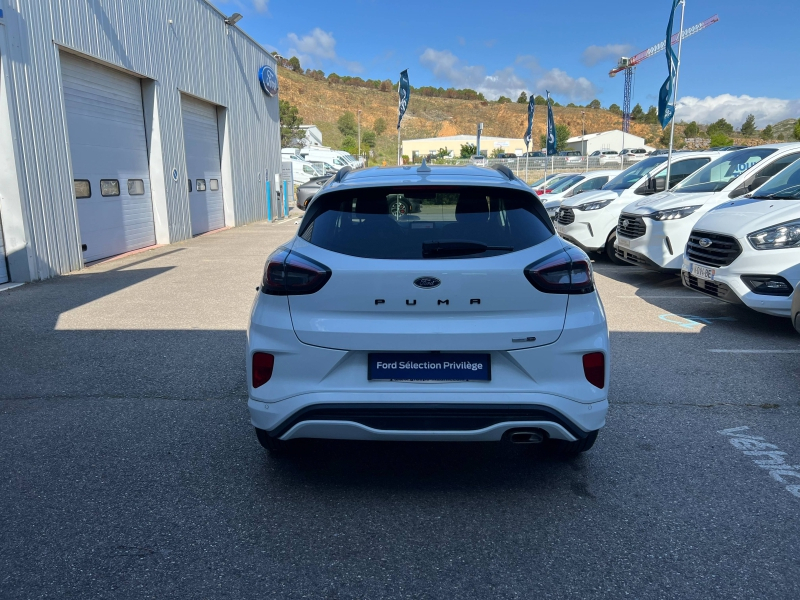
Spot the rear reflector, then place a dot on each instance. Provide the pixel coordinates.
(567, 272)
(290, 274)
(263, 364)
(594, 367)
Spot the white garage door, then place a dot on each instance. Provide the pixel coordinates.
(3, 269)
(201, 141)
(109, 158)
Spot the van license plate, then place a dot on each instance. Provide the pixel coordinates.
(560, 228)
(623, 242)
(701, 272)
(424, 366)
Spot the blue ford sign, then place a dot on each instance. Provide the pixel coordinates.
(268, 80)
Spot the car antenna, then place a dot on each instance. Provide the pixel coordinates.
(423, 168)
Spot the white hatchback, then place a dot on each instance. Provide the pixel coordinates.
(469, 320)
(748, 250)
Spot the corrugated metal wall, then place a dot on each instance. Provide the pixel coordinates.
(196, 54)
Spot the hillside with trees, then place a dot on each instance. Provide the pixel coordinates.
(332, 101)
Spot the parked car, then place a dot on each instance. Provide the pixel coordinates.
(479, 160)
(748, 250)
(307, 191)
(572, 186)
(632, 155)
(547, 183)
(571, 157)
(471, 321)
(590, 220)
(507, 156)
(605, 157)
(659, 226)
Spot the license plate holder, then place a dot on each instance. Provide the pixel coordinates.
(623, 242)
(429, 366)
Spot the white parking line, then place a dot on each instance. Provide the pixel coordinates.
(723, 351)
(697, 297)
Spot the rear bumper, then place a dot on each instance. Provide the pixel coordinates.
(404, 416)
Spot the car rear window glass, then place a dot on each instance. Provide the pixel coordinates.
(716, 175)
(426, 222)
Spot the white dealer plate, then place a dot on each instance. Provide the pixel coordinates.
(623, 242)
(700, 271)
(561, 228)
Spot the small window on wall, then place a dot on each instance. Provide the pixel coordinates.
(135, 187)
(83, 189)
(109, 187)
(190, 185)
(213, 184)
(200, 184)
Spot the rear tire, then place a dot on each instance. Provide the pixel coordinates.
(273, 445)
(611, 252)
(565, 449)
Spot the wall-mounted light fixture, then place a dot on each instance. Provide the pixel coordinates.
(233, 19)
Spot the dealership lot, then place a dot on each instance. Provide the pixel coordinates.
(128, 467)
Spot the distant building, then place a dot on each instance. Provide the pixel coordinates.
(607, 140)
(417, 149)
(313, 136)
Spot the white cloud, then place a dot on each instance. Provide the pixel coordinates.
(316, 46)
(595, 54)
(559, 83)
(448, 67)
(735, 109)
(261, 6)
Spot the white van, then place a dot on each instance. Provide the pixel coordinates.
(302, 170)
(653, 231)
(590, 219)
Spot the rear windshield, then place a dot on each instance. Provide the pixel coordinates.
(717, 175)
(421, 223)
(633, 174)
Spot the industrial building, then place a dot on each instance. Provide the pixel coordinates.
(416, 149)
(607, 140)
(128, 124)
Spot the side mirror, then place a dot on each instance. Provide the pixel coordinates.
(659, 184)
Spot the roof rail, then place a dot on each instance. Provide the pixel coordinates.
(341, 174)
(505, 171)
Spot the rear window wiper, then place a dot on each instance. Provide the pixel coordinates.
(446, 249)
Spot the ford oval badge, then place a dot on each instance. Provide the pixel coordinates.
(268, 80)
(427, 282)
(705, 242)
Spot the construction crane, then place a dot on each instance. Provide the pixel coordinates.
(629, 65)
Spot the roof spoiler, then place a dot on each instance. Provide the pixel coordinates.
(341, 174)
(505, 171)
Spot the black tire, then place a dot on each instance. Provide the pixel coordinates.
(567, 449)
(611, 252)
(273, 445)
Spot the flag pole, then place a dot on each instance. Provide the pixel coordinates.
(398, 123)
(675, 97)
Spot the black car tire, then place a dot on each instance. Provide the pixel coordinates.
(611, 252)
(273, 445)
(565, 449)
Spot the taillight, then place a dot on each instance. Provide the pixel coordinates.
(263, 364)
(548, 191)
(290, 274)
(567, 272)
(594, 367)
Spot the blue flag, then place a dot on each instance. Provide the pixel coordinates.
(531, 110)
(665, 96)
(404, 91)
(552, 142)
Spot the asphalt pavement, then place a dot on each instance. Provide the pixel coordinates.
(129, 469)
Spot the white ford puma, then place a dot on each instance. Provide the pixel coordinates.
(468, 319)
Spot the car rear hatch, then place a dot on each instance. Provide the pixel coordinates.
(442, 279)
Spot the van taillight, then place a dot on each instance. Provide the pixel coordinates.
(567, 272)
(263, 364)
(290, 274)
(594, 368)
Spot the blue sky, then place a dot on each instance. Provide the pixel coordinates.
(745, 63)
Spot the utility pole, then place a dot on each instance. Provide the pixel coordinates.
(583, 140)
(480, 130)
(359, 134)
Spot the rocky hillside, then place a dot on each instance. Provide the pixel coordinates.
(321, 103)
